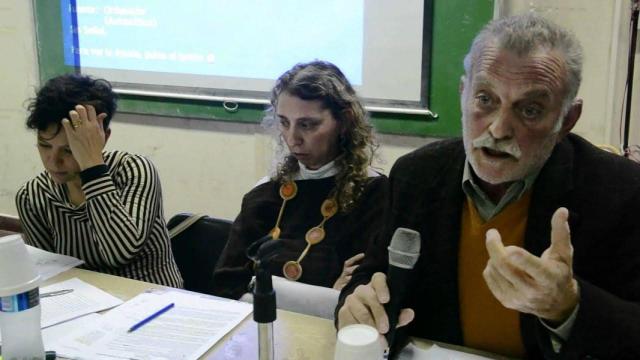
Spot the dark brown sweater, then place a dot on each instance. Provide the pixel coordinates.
(346, 234)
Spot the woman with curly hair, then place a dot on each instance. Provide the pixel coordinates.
(324, 202)
(104, 207)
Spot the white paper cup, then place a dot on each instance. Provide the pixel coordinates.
(18, 273)
(359, 342)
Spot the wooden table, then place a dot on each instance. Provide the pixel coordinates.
(296, 336)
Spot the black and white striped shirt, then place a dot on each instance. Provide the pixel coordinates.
(119, 229)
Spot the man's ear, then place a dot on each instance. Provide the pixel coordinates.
(571, 118)
(461, 84)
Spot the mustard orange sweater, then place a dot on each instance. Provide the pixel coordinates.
(486, 324)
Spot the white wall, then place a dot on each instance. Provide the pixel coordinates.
(18, 74)
(207, 166)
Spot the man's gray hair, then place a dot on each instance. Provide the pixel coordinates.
(524, 34)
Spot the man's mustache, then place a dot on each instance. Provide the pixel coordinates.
(506, 146)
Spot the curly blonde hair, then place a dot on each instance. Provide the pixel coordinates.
(324, 82)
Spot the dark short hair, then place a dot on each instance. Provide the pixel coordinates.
(61, 94)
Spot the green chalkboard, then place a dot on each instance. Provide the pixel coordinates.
(454, 24)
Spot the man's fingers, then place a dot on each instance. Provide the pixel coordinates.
(366, 296)
(379, 285)
(499, 286)
(365, 306)
(534, 266)
(561, 248)
(345, 317)
(348, 315)
(512, 262)
(512, 269)
(494, 245)
(406, 316)
(354, 259)
(361, 314)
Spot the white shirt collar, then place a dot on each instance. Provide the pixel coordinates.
(330, 168)
(327, 170)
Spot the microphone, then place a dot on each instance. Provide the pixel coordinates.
(264, 297)
(404, 251)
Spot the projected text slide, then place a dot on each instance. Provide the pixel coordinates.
(241, 39)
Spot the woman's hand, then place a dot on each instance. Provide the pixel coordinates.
(86, 135)
(350, 265)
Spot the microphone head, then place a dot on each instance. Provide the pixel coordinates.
(404, 249)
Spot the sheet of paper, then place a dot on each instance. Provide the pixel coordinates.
(53, 334)
(435, 352)
(185, 332)
(51, 264)
(84, 299)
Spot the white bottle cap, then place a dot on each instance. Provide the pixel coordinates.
(18, 273)
(359, 342)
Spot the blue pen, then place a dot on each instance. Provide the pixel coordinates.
(142, 322)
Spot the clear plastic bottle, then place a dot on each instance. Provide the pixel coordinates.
(19, 302)
(20, 327)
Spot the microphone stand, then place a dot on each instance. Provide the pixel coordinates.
(264, 310)
(264, 297)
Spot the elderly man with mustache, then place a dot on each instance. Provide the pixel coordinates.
(530, 238)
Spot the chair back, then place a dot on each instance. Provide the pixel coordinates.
(9, 224)
(197, 241)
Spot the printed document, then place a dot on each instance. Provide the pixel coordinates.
(185, 332)
(84, 299)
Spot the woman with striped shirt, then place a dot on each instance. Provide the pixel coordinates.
(104, 207)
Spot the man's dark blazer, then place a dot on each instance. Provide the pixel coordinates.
(602, 193)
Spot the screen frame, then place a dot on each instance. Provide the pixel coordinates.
(446, 53)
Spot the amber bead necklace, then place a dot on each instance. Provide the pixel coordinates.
(292, 270)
